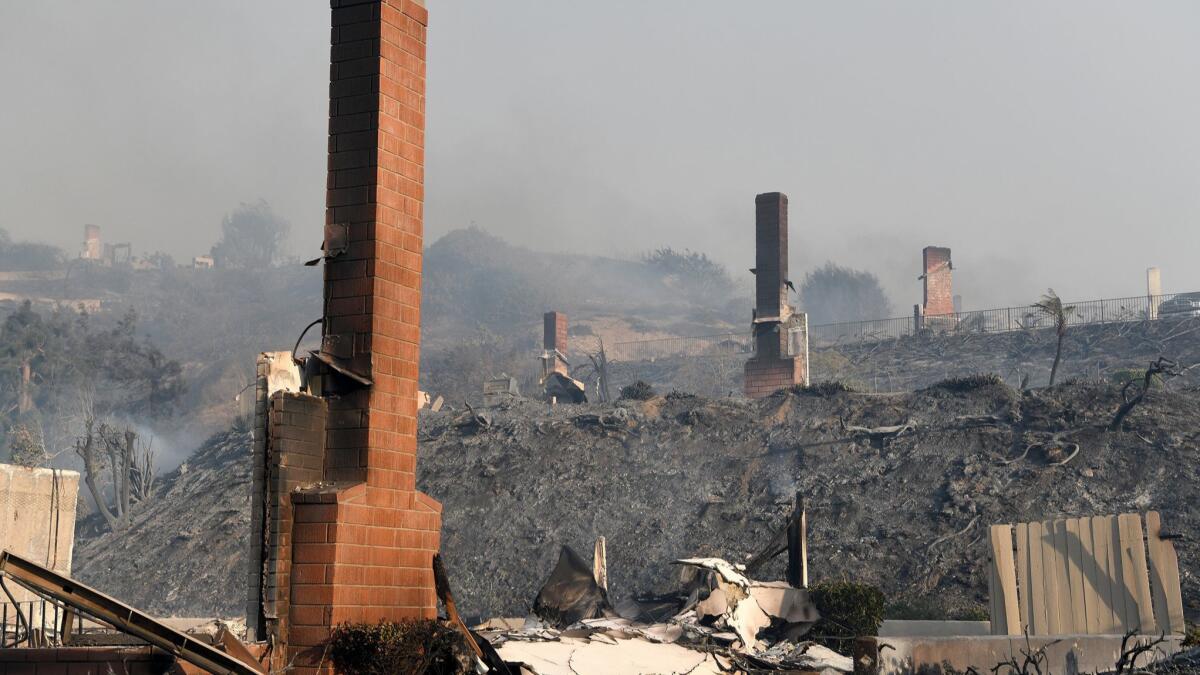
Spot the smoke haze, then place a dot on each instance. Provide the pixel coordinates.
(1046, 144)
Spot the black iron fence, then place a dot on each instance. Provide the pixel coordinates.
(36, 623)
(1027, 317)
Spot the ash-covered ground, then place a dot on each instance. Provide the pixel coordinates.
(681, 476)
(185, 553)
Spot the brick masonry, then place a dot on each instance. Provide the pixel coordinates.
(362, 537)
(767, 376)
(770, 270)
(295, 456)
(554, 337)
(939, 294)
(776, 364)
(274, 372)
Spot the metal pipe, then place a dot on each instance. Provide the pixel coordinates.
(17, 609)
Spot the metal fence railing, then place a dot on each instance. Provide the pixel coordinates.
(1027, 317)
(36, 623)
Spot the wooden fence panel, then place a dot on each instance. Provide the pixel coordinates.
(1053, 568)
(1006, 619)
(1164, 578)
(1102, 530)
(1133, 548)
(1084, 576)
(1037, 588)
(1024, 598)
(1075, 576)
(1094, 581)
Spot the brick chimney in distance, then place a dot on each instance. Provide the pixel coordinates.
(938, 291)
(773, 366)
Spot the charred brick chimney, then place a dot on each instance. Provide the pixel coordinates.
(780, 336)
(350, 539)
(554, 342)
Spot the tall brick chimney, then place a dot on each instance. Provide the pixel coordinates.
(939, 294)
(554, 342)
(346, 536)
(780, 359)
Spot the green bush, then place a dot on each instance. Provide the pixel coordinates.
(848, 610)
(638, 391)
(419, 647)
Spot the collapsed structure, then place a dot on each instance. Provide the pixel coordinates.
(780, 334)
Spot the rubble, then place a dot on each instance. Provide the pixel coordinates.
(906, 515)
(723, 622)
(679, 465)
(563, 389)
(571, 594)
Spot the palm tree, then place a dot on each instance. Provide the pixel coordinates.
(1051, 305)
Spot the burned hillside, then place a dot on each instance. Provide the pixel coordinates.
(1114, 352)
(183, 553)
(682, 475)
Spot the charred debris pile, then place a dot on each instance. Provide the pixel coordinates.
(900, 488)
(184, 553)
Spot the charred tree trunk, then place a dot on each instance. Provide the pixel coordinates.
(114, 466)
(25, 398)
(1160, 368)
(600, 364)
(86, 448)
(1057, 358)
(126, 468)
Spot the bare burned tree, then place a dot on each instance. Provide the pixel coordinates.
(88, 448)
(1161, 370)
(1032, 662)
(142, 472)
(1130, 653)
(600, 365)
(120, 456)
(1051, 305)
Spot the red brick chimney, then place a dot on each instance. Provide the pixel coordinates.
(350, 538)
(554, 342)
(939, 296)
(777, 362)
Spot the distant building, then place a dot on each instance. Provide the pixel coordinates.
(203, 262)
(92, 248)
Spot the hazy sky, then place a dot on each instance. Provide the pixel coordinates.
(1049, 144)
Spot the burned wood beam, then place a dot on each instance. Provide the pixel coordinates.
(797, 536)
